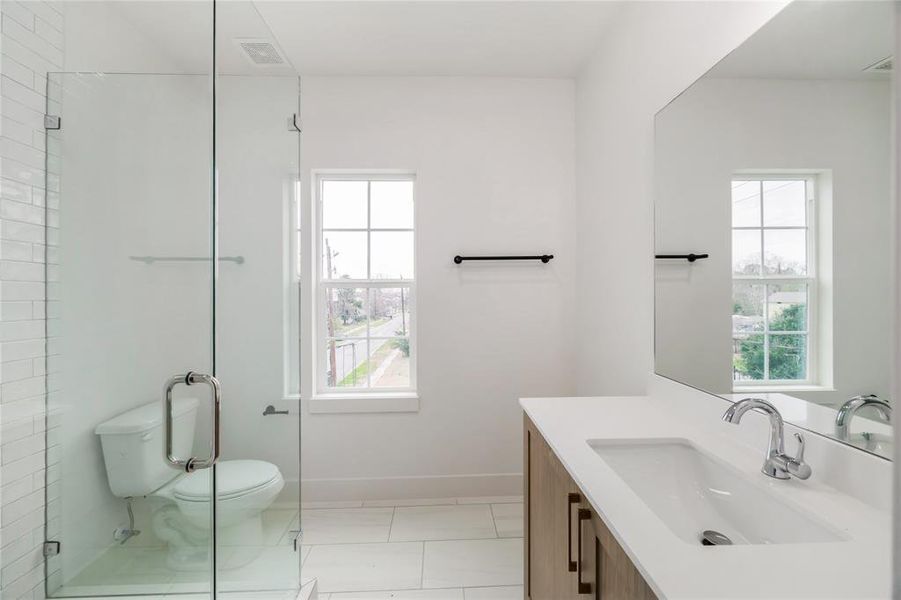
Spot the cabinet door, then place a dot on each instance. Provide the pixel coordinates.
(551, 513)
(614, 576)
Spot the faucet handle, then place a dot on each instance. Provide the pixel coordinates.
(801, 445)
(796, 466)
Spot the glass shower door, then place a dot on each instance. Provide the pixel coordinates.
(167, 218)
(130, 280)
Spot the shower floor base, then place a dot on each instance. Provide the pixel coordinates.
(425, 549)
(134, 570)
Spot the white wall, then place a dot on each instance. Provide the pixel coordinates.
(652, 52)
(494, 169)
(101, 38)
(31, 44)
(721, 126)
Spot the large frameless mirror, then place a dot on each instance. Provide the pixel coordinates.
(774, 171)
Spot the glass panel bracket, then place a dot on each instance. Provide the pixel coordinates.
(52, 122)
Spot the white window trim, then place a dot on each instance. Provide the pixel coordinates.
(340, 400)
(293, 276)
(812, 382)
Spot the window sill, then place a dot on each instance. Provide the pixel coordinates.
(389, 402)
(781, 388)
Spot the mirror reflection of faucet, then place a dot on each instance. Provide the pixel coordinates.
(270, 410)
(850, 408)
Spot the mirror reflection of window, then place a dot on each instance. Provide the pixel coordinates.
(773, 280)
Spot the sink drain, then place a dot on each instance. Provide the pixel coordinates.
(709, 537)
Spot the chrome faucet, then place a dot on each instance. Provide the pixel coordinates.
(850, 408)
(778, 464)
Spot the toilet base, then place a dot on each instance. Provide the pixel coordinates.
(189, 545)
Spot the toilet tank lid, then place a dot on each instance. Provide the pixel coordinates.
(144, 418)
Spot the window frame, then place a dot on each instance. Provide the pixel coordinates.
(811, 279)
(321, 285)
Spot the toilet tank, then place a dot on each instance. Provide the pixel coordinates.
(134, 444)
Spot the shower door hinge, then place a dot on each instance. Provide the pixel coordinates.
(52, 122)
(51, 548)
(294, 124)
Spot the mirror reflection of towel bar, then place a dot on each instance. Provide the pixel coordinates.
(149, 260)
(688, 257)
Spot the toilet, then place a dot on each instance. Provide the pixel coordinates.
(133, 451)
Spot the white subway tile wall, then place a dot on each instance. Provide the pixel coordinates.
(31, 45)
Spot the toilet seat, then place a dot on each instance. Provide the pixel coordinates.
(234, 479)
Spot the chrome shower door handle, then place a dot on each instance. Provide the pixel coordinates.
(193, 463)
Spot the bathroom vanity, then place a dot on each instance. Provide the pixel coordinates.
(620, 492)
(569, 552)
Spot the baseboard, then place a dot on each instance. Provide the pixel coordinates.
(396, 488)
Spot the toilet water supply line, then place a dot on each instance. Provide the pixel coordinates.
(123, 535)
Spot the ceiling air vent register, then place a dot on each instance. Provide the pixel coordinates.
(260, 52)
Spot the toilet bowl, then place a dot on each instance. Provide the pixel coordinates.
(132, 445)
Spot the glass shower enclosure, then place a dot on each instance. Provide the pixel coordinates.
(168, 213)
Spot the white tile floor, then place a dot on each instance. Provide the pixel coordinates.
(430, 549)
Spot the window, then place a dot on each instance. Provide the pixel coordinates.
(366, 288)
(774, 282)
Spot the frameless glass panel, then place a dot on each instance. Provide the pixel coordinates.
(746, 252)
(788, 357)
(344, 204)
(745, 203)
(747, 307)
(787, 307)
(391, 205)
(785, 252)
(784, 204)
(344, 255)
(391, 255)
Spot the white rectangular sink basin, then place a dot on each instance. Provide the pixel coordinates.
(692, 492)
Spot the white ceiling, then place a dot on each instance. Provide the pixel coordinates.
(163, 36)
(816, 40)
(415, 37)
(523, 39)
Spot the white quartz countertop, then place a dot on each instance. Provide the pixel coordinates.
(859, 567)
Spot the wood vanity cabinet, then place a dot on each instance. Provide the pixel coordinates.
(569, 552)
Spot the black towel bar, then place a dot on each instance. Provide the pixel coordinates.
(688, 257)
(545, 258)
